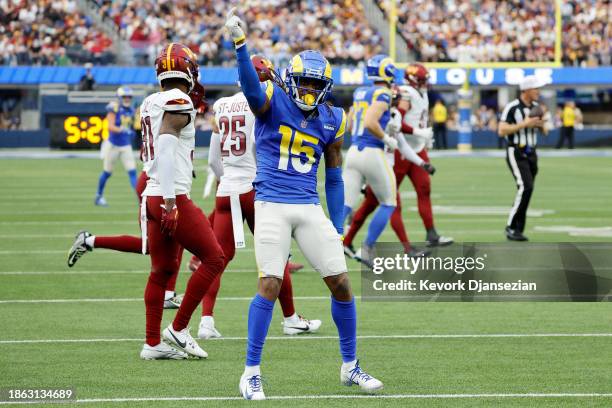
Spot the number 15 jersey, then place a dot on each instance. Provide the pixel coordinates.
(289, 147)
(152, 113)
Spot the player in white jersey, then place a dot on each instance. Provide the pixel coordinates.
(232, 159)
(169, 219)
(414, 106)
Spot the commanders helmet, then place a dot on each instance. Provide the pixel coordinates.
(308, 79)
(178, 61)
(416, 75)
(380, 68)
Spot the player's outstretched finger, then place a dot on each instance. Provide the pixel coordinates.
(231, 12)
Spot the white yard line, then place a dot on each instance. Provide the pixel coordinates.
(332, 397)
(128, 272)
(139, 299)
(315, 337)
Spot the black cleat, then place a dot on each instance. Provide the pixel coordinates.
(513, 235)
(416, 252)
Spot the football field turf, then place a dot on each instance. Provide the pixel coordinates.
(83, 327)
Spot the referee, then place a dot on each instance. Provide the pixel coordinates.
(520, 123)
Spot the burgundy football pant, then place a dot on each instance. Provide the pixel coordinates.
(193, 233)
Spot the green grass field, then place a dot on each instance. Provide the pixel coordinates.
(89, 337)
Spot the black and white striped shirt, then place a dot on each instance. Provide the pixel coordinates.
(516, 112)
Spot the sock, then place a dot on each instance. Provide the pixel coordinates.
(154, 305)
(250, 371)
(90, 241)
(292, 319)
(424, 205)
(378, 223)
(132, 176)
(347, 212)
(285, 296)
(398, 226)
(169, 294)
(102, 182)
(123, 243)
(349, 365)
(260, 316)
(210, 298)
(367, 207)
(197, 286)
(209, 320)
(345, 317)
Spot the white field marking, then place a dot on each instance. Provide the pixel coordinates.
(331, 397)
(477, 210)
(75, 212)
(71, 222)
(315, 337)
(65, 251)
(577, 231)
(139, 299)
(130, 272)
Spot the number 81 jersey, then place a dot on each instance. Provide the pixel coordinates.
(235, 121)
(289, 146)
(152, 112)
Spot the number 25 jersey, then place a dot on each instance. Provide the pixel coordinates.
(151, 115)
(289, 147)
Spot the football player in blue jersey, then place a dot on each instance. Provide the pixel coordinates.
(366, 161)
(120, 117)
(293, 129)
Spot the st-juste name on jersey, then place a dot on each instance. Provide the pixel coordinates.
(417, 116)
(152, 112)
(235, 122)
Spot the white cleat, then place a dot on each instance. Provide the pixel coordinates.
(161, 352)
(79, 248)
(355, 375)
(183, 341)
(207, 328)
(299, 325)
(173, 302)
(251, 387)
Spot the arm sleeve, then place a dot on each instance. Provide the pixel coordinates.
(214, 155)
(408, 152)
(505, 116)
(334, 191)
(406, 128)
(166, 151)
(249, 80)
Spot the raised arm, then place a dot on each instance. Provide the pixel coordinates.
(259, 101)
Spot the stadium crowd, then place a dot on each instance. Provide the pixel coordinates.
(279, 28)
(504, 30)
(49, 32)
(46, 32)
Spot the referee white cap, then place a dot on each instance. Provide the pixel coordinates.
(532, 82)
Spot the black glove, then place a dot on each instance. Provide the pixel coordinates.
(429, 168)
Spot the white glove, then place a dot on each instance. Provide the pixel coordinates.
(234, 26)
(425, 133)
(394, 126)
(390, 142)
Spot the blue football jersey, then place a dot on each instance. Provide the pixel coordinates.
(124, 117)
(289, 147)
(363, 98)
